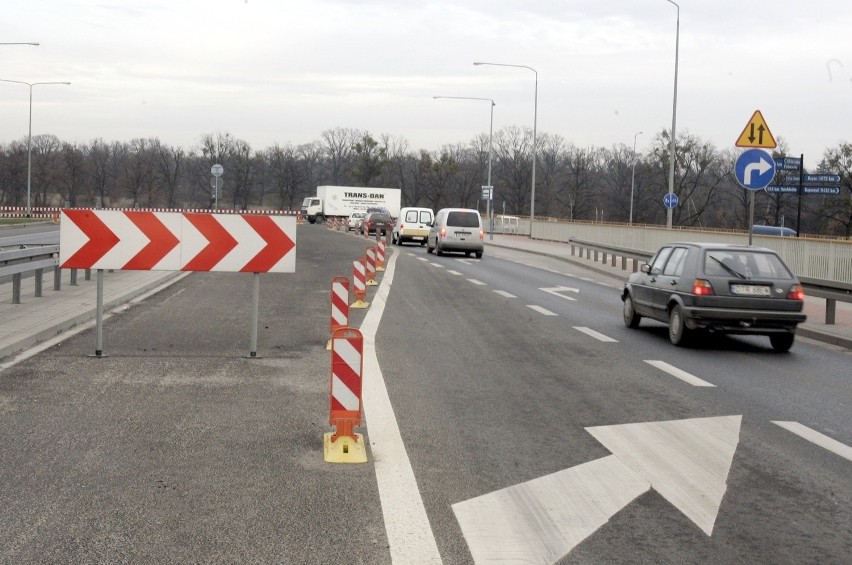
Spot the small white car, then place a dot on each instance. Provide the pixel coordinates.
(354, 221)
(412, 225)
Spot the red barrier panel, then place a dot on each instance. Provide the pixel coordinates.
(359, 284)
(347, 366)
(339, 305)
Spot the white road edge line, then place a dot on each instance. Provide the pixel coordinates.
(817, 438)
(541, 310)
(678, 373)
(597, 335)
(407, 526)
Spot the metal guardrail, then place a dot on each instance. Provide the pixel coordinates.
(831, 291)
(15, 261)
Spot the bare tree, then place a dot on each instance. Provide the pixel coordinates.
(168, 162)
(370, 160)
(74, 173)
(513, 151)
(46, 151)
(339, 144)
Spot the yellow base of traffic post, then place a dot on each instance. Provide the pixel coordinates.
(372, 282)
(359, 304)
(344, 450)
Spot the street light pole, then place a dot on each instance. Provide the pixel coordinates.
(535, 126)
(30, 135)
(490, 138)
(633, 175)
(20, 43)
(674, 118)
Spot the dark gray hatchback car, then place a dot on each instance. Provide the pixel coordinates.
(714, 287)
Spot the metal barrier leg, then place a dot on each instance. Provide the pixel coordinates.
(88, 274)
(57, 278)
(73, 277)
(39, 277)
(16, 288)
(830, 310)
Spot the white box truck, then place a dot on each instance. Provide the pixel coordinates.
(342, 201)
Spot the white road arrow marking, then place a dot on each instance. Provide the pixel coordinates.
(541, 521)
(762, 166)
(558, 290)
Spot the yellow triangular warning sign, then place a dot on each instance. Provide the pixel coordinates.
(756, 133)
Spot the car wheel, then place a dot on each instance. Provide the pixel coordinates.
(678, 332)
(429, 248)
(438, 250)
(479, 254)
(422, 243)
(631, 318)
(782, 342)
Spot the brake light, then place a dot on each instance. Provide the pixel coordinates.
(796, 292)
(702, 287)
(481, 235)
(443, 232)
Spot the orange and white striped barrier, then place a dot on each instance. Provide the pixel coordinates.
(380, 256)
(347, 367)
(339, 305)
(359, 284)
(371, 266)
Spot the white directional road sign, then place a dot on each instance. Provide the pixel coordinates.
(755, 169)
(540, 521)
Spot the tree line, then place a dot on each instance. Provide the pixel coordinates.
(577, 183)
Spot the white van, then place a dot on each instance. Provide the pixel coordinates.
(412, 225)
(456, 229)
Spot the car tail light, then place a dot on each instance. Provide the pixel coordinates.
(702, 287)
(481, 235)
(796, 292)
(443, 233)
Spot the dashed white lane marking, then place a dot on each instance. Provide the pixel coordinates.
(506, 294)
(678, 373)
(437, 265)
(453, 272)
(817, 438)
(597, 335)
(477, 282)
(541, 310)
(465, 261)
(422, 259)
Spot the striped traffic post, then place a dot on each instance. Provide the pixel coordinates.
(359, 284)
(380, 255)
(339, 305)
(347, 366)
(371, 266)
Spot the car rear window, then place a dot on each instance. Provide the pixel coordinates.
(744, 264)
(463, 219)
(380, 218)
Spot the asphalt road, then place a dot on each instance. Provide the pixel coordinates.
(510, 400)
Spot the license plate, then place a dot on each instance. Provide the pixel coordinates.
(417, 238)
(750, 289)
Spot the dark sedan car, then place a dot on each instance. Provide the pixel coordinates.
(714, 287)
(376, 222)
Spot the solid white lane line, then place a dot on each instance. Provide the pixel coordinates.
(506, 294)
(474, 281)
(817, 438)
(597, 335)
(678, 373)
(406, 523)
(541, 310)
(453, 272)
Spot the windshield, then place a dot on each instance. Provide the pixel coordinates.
(745, 264)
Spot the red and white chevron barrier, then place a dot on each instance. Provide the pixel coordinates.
(380, 255)
(177, 241)
(371, 266)
(359, 283)
(344, 445)
(339, 305)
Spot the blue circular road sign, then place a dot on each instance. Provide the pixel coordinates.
(670, 200)
(755, 169)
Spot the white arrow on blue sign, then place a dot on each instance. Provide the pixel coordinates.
(755, 169)
(670, 200)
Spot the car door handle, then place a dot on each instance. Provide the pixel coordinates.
(673, 282)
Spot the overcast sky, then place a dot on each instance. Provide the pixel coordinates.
(284, 71)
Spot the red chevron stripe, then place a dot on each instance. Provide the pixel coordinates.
(101, 239)
(220, 242)
(277, 244)
(161, 241)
